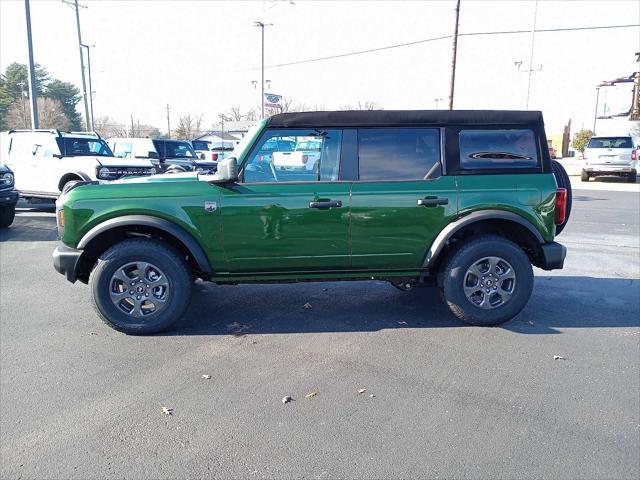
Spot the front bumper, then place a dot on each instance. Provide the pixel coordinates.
(9, 197)
(553, 255)
(65, 261)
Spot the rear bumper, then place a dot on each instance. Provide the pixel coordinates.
(65, 261)
(610, 169)
(553, 255)
(9, 198)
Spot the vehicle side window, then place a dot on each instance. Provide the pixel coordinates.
(295, 156)
(490, 149)
(122, 149)
(391, 154)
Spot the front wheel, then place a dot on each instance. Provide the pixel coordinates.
(140, 286)
(488, 281)
(584, 176)
(7, 214)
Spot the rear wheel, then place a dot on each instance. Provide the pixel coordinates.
(488, 281)
(562, 180)
(584, 176)
(140, 286)
(632, 177)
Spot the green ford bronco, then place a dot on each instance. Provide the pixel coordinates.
(466, 201)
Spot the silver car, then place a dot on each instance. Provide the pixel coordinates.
(610, 156)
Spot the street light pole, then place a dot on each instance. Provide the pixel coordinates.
(262, 25)
(32, 74)
(93, 126)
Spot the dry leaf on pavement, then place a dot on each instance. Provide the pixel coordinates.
(167, 411)
(206, 377)
(558, 357)
(311, 394)
(287, 399)
(362, 390)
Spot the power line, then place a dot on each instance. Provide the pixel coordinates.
(443, 37)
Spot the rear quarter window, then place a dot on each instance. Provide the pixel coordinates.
(496, 149)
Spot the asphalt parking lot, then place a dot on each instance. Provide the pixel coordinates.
(79, 400)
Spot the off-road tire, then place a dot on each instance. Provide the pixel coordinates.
(141, 250)
(469, 253)
(7, 214)
(584, 176)
(562, 179)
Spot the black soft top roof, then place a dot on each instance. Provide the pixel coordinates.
(405, 118)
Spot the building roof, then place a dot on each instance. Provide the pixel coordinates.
(221, 135)
(400, 118)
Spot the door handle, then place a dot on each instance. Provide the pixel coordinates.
(327, 204)
(432, 201)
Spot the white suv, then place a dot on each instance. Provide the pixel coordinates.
(44, 161)
(610, 155)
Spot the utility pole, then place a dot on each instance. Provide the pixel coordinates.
(262, 25)
(595, 114)
(132, 129)
(93, 126)
(168, 124)
(455, 53)
(32, 74)
(24, 106)
(74, 3)
(533, 39)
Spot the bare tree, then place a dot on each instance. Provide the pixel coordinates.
(363, 105)
(107, 127)
(188, 127)
(235, 113)
(50, 114)
(251, 115)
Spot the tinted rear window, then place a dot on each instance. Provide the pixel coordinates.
(174, 149)
(610, 142)
(398, 153)
(200, 145)
(488, 149)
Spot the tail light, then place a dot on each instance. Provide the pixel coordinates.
(214, 156)
(561, 206)
(305, 159)
(634, 154)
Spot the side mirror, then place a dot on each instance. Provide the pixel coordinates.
(227, 172)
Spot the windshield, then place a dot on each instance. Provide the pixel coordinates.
(610, 142)
(76, 147)
(174, 149)
(309, 145)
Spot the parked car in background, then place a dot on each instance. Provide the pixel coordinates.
(8, 196)
(168, 156)
(212, 150)
(304, 156)
(45, 161)
(611, 155)
(465, 201)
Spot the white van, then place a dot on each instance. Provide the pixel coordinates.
(44, 161)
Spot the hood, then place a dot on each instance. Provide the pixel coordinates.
(161, 177)
(124, 162)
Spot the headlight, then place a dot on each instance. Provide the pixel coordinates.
(105, 173)
(7, 179)
(152, 171)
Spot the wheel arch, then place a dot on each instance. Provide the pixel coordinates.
(504, 223)
(109, 232)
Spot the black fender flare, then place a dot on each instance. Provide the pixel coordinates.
(171, 228)
(447, 232)
(83, 178)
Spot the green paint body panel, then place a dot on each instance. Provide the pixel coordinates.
(268, 232)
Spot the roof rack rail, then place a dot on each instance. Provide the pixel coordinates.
(95, 134)
(29, 130)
